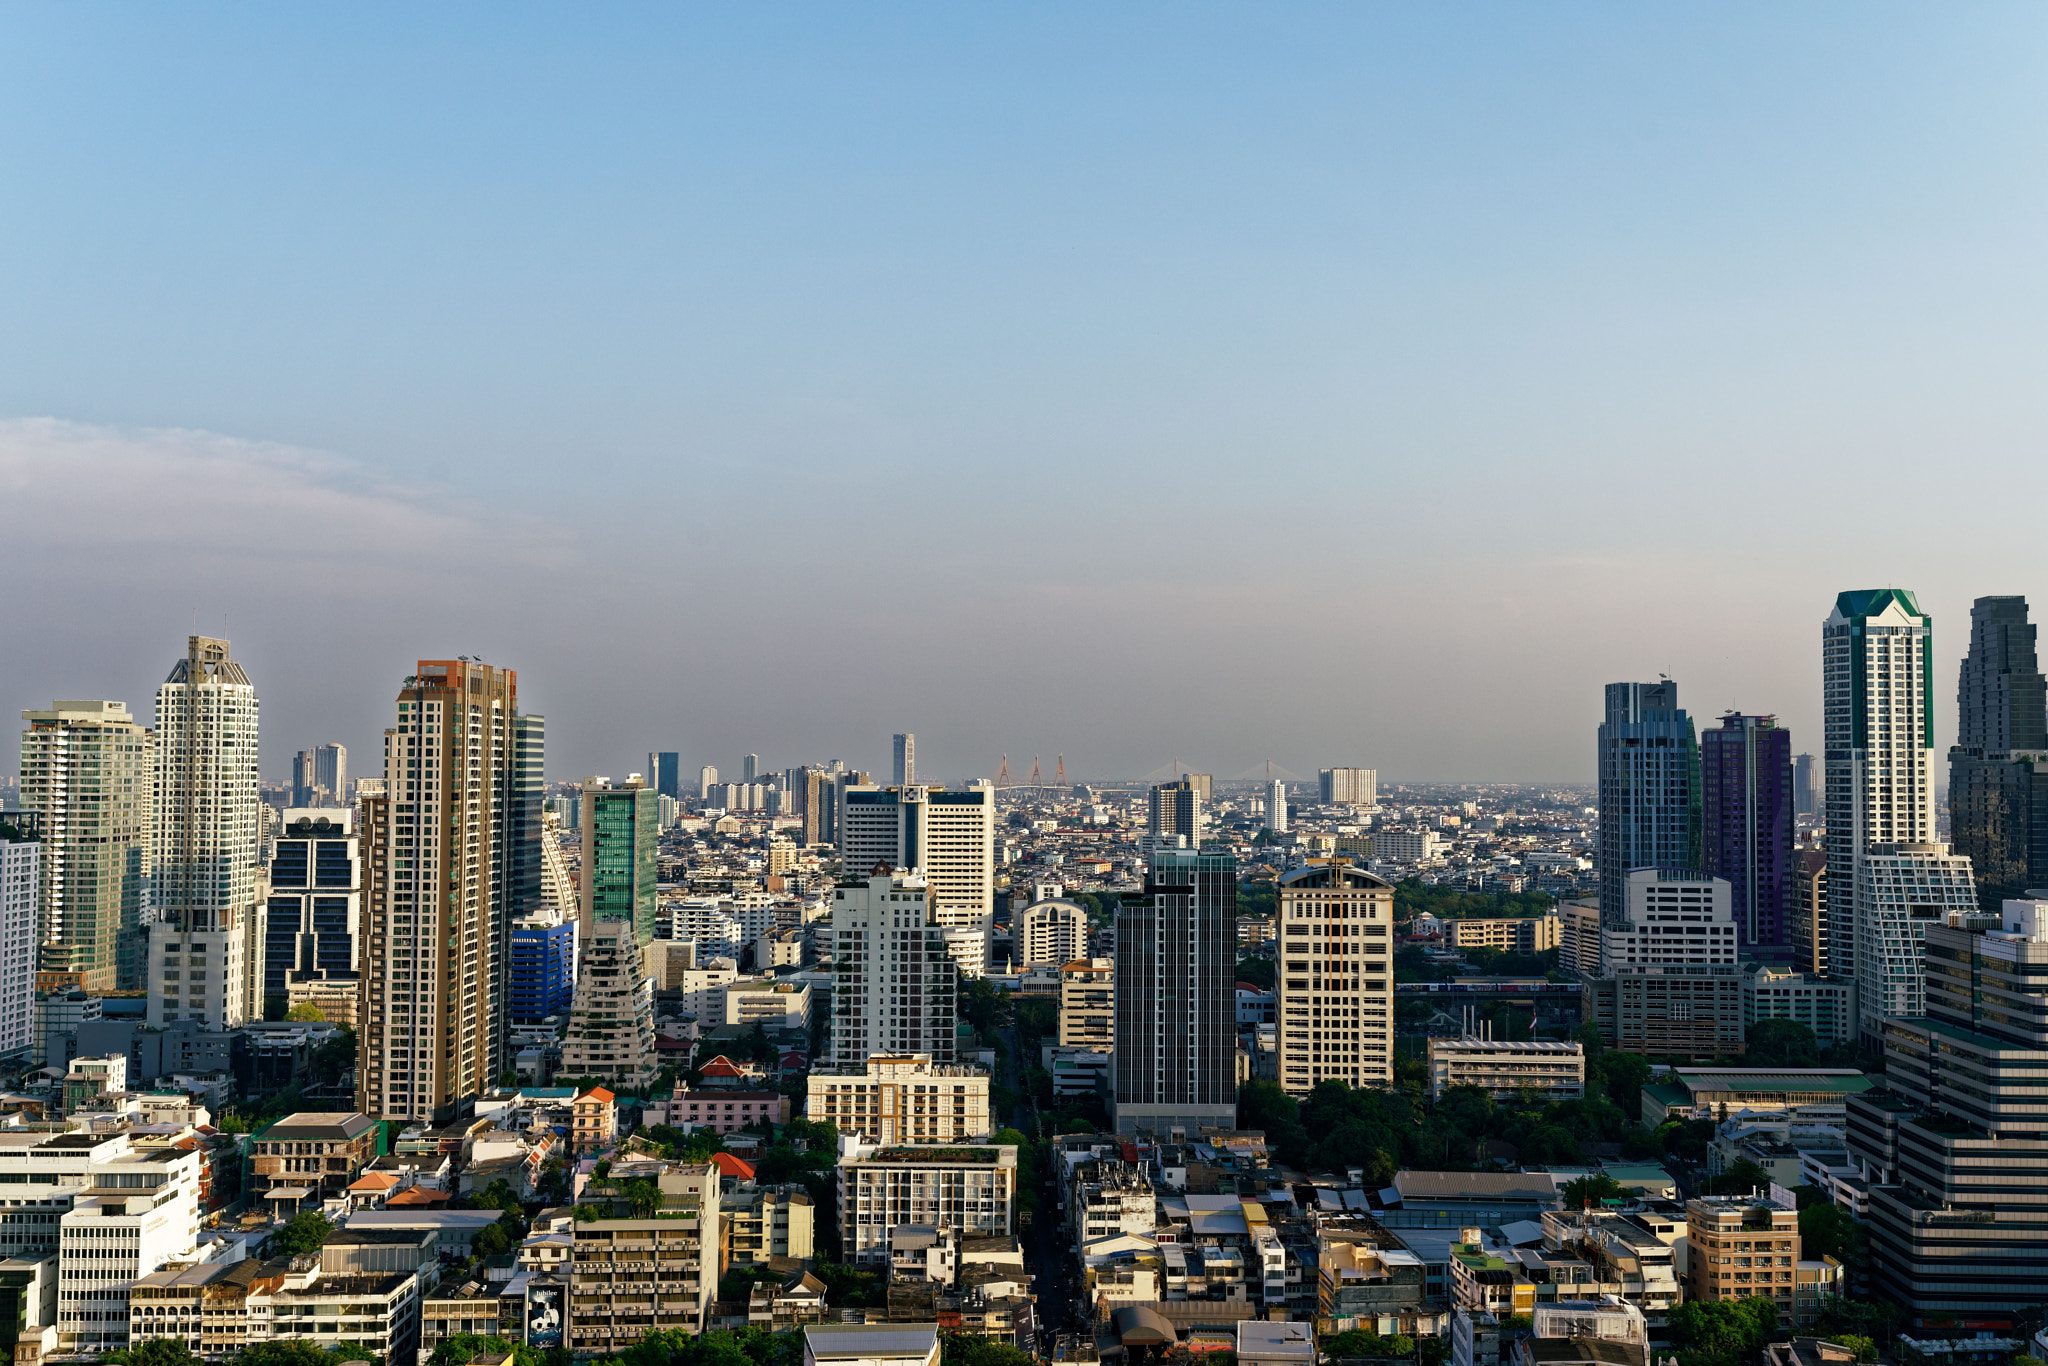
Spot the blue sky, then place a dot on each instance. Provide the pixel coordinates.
(1332, 384)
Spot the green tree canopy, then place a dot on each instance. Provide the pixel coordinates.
(1780, 1043)
(1590, 1190)
(154, 1352)
(307, 1232)
(1257, 971)
(1825, 1231)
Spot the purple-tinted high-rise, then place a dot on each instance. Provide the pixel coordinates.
(1746, 784)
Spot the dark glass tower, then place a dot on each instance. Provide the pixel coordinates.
(1998, 769)
(1747, 803)
(1176, 1007)
(1649, 765)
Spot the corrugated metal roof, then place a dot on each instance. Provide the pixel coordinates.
(840, 1341)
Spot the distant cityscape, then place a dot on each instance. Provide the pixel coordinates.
(434, 1055)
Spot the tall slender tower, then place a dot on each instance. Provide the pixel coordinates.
(1746, 782)
(1649, 766)
(1176, 1013)
(439, 843)
(87, 768)
(1888, 878)
(1998, 767)
(906, 758)
(205, 947)
(1276, 807)
(619, 839)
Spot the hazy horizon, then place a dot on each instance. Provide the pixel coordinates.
(1329, 385)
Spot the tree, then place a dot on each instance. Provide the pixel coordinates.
(306, 1010)
(643, 1197)
(1623, 1076)
(1825, 1231)
(331, 1060)
(290, 1352)
(1780, 1043)
(1722, 1332)
(968, 1349)
(1740, 1179)
(1257, 971)
(493, 1241)
(305, 1233)
(1866, 1350)
(1590, 1190)
(155, 1352)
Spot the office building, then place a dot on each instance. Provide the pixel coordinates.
(666, 768)
(1335, 988)
(1177, 813)
(89, 771)
(904, 1098)
(1826, 1005)
(1805, 788)
(1954, 1148)
(1998, 767)
(970, 1191)
(1578, 936)
(1683, 1010)
(1519, 934)
(1747, 827)
(1671, 915)
(543, 974)
(707, 778)
(205, 947)
(947, 836)
(437, 886)
(1052, 932)
(1809, 913)
(1878, 682)
(611, 1021)
(1649, 768)
(905, 767)
(1276, 807)
(109, 1238)
(1349, 786)
(1176, 1014)
(21, 867)
(1504, 1069)
(1088, 1004)
(896, 984)
(314, 908)
(750, 768)
(320, 776)
(527, 874)
(621, 835)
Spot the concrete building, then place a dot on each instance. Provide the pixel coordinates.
(1740, 1246)
(896, 982)
(90, 771)
(872, 1344)
(314, 909)
(904, 753)
(21, 867)
(1746, 840)
(1671, 915)
(1176, 1026)
(1667, 1010)
(1276, 807)
(948, 837)
(1405, 846)
(1504, 1068)
(1335, 985)
(320, 777)
(140, 1211)
(903, 1099)
(620, 831)
(724, 1111)
(1578, 936)
(543, 977)
(1809, 912)
(1952, 1150)
(611, 1023)
(635, 1276)
(1054, 931)
(1521, 934)
(1349, 787)
(971, 1191)
(1998, 780)
(305, 1159)
(1088, 1004)
(440, 844)
(771, 1004)
(1649, 768)
(1178, 810)
(1826, 1005)
(760, 1223)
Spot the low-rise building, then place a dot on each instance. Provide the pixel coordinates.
(723, 1111)
(769, 1003)
(1740, 1246)
(1483, 1280)
(1520, 934)
(970, 1189)
(306, 1159)
(1826, 1005)
(1504, 1068)
(759, 1223)
(1817, 1095)
(635, 1276)
(903, 1098)
(594, 1119)
(872, 1344)
(1667, 1009)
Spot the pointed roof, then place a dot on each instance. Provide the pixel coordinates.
(721, 1066)
(729, 1165)
(596, 1093)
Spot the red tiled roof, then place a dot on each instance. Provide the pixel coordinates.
(733, 1166)
(418, 1196)
(596, 1093)
(722, 1066)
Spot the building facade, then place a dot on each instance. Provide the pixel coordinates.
(1177, 810)
(896, 984)
(1049, 932)
(205, 947)
(968, 1190)
(903, 1100)
(21, 868)
(1650, 797)
(1088, 1004)
(1826, 1005)
(621, 831)
(632, 1277)
(1671, 915)
(1176, 1014)
(1335, 998)
(1998, 767)
(1747, 827)
(314, 909)
(1676, 1010)
(904, 754)
(1809, 913)
(90, 771)
(1348, 786)
(611, 1021)
(1504, 1068)
(949, 837)
(438, 847)
(543, 977)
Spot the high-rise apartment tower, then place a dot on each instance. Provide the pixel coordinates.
(1335, 984)
(905, 747)
(1649, 769)
(1176, 1007)
(1747, 834)
(1349, 786)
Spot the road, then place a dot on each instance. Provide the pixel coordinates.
(1047, 1250)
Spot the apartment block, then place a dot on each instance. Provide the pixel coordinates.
(903, 1099)
(970, 1190)
(1176, 1012)
(1335, 986)
(1503, 1068)
(635, 1276)
(1088, 1004)
(1740, 1246)
(1668, 1009)
(1527, 934)
(896, 980)
(1826, 1005)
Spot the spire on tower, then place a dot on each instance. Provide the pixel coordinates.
(1059, 772)
(1037, 773)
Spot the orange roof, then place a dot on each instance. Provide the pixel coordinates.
(374, 1181)
(733, 1166)
(596, 1093)
(420, 1195)
(721, 1066)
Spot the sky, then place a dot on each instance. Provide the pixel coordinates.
(1322, 384)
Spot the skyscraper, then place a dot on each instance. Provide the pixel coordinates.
(949, 837)
(1998, 767)
(1805, 796)
(611, 1020)
(314, 909)
(21, 866)
(205, 948)
(1177, 811)
(1176, 1011)
(750, 768)
(1887, 877)
(897, 982)
(666, 768)
(1650, 798)
(89, 769)
(906, 758)
(620, 836)
(1335, 988)
(1276, 807)
(707, 778)
(527, 816)
(319, 776)
(1349, 786)
(1747, 827)
(436, 918)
